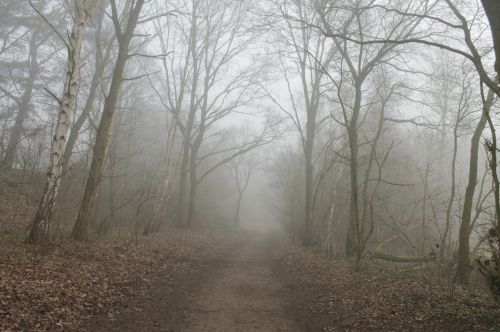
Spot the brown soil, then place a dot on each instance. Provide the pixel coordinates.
(260, 283)
(242, 294)
(236, 291)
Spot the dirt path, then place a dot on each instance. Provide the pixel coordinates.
(235, 291)
(242, 294)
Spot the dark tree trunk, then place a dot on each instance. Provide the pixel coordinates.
(183, 186)
(81, 228)
(24, 105)
(182, 205)
(447, 226)
(353, 236)
(193, 181)
(237, 218)
(492, 9)
(77, 127)
(309, 147)
(463, 255)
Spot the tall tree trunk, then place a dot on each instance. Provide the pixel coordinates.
(307, 239)
(463, 255)
(183, 181)
(367, 206)
(100, 62)
(193, 166)
(23, 106)
(353, 236)
(494, 235)
(81, 228)
(447, 225)
(77, 127)
(40, 225)
(167, 174)
(183, 206)
(193, 188)
(492, 9)
(237, 219)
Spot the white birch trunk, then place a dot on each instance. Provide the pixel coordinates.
(39, 230)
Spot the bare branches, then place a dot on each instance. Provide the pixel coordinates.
(53, 95)
(51, 26)
(116, 20)
(473, 54)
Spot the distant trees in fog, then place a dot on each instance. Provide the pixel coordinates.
(147, 113)
(381, 66)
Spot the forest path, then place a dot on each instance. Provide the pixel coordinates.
(236, 290)
(241, 293)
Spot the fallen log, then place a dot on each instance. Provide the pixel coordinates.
(401, 259)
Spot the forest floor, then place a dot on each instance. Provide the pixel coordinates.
(222, 281)
(258, 281)
(236, 290)
(330, 296)
(69, 286)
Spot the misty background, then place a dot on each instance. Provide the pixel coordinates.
(364, 128)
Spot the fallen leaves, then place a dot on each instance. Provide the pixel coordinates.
(74, 282)
(331, 297)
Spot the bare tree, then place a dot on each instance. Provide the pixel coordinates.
(491, 268)
(460, 111)
(124, 36)
(102, 56)
(201, 47)
(39, 229)
(360, 61)
(242, 169)
(492, 9)
(311, 54)
(24, 102)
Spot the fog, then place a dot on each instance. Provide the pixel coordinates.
(363, 129)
